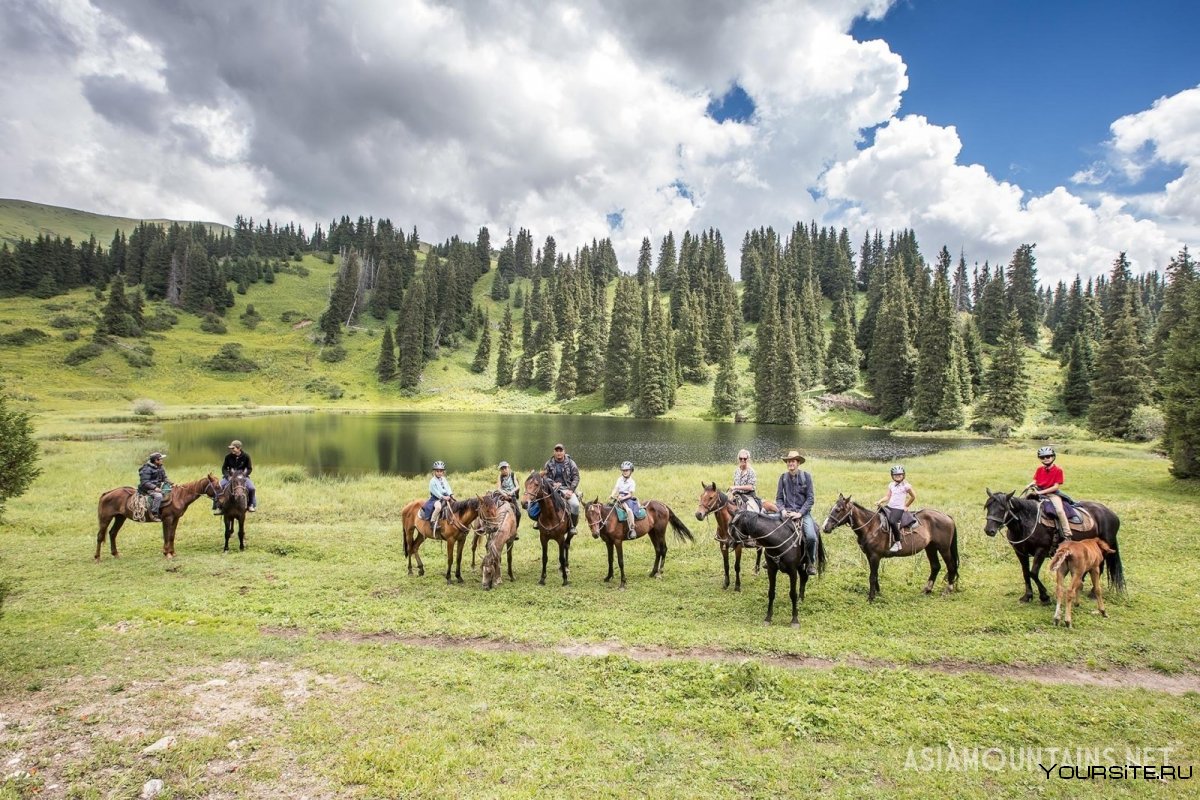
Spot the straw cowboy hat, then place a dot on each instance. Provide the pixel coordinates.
(794, 454)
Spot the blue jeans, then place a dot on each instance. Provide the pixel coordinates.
(809, 528)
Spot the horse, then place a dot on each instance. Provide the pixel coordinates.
(602, 519)
(1032, 539)
(117, 505)
(553, 522)
(936, 533)
(1078, 558)
(715, 502)
(455, 524)
(784, 545)
(478, 530)
(499, 520)
(233, 503)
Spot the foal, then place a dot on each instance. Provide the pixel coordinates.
(1078, 556)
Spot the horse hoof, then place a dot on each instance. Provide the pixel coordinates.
(1045, 601)
(927, 590)
(1026, 598)
(767, 622)
(795, 624)
(621, 587)
(737, 588)
(542, 582)
(609, 578)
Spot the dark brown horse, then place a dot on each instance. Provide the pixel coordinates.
(478, 529)
(784, 544)
(553, 521)
(935, 533)
(233, 502)
(454, 526)
(1030, 537)
(723, 507)
(499, 520)
(602, 519)
(117, 505)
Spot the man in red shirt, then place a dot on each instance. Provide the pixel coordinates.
(1047, 480)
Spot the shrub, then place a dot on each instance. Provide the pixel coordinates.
(333, 354)
(292, 475)
(230, 359)
(1146, 425)
(145, 407)
(212, 324)
(250, 318)
(83, 353)
(326, 387)
(290, 316)
(161, 321)
(140, 357)
(62, 321)
(18, 454)
(23, 337)
(71, 336)
(996, 427)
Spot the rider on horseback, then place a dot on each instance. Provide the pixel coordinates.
(506, 485)
(439, 495)
(745, 484)
(622, 493)
(152, 477)
(794, 496)
(236, 459)
(899, 496)
(1047, 481)
(562, 470)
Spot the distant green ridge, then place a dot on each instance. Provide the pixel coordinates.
(22, 218)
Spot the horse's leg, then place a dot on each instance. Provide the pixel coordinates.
(656, 567)
(418, 540)
(1073, 595)
(609, 545)
(101, 533)
(460, 542)
(1095, 573)
(511, 577)
(621, 560)
(564, 558)
(1058, 596)
(171, 537)
(725, 559)
(737, 569)
(1023, 560)
(474, 547)
(771, 569)
(873, 583)
(228, 532)
(757, 559)
(934, 567)
(792, 593)
(242, 532)
(449, 558)
(118, 521)
(1043, 595)
(542, 582)
(662, 559)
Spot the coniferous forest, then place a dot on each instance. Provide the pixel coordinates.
(925, 343)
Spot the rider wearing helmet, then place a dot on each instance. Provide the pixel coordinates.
(622, 493)
(898, 496)
(506, 485)
(1047, 481)
(439, 495)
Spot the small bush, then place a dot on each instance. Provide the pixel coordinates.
(333, 354)
(292, 475)
(145, 407)
(161, 321)
(139, 358)
(71, 336)
(290, 316)
(83, 353)
(212, 324)
(230, 359)
(326, 387)
(63, 321)
(23, 337)
(1146, 425)
(996, 427)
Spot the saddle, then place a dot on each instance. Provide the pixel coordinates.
(908, 519)
(639, 513)
(746, 502)
(137, 507)
(1081, 521)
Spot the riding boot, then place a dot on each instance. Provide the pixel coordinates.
(574, 522)
(1064, 526)
(216, 508)
(253, 501)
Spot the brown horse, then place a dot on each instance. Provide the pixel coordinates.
(935, 533)
(478, 529)
(454, 526)
(499, 520)
(233, 503)
(723, 507)
(602, 519)
(1081, 557)
(116, 506)
(553, 521)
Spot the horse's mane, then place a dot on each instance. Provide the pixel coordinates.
(460, 506)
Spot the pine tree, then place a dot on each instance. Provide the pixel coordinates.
(566, 385)
(117, 319)
(1022, 292)
(1181, 389)
(1181, 275)
(1006, 384)
(725, 387)
(1077, 389)
(645, 263)
(938, 389)
(410, 340)
(504, 350)
(624, 341)
(18, 452)
(785, 388)
(1118, 385)
(766, 352)
(689, 352)
(653, 392)
(484, 351)
(841, 360)
(385, 368)
(665, 272)
(892, 357)
(589, 350)
(992, 309)
(960, 294)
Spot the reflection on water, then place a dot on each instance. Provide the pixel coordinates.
(400, 443)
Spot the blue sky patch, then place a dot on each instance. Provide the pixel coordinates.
(734, 105)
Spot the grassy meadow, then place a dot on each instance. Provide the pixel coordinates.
(313, 665)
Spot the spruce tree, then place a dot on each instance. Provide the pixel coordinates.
(589, 350)
(938, 389)
(892, 357)
(689, 352)
(973, 348)
(117, 319)
(766, 352)
(960, 293)
(725, 387)
(1118, 384)
(645, 263)
(1181, 274)
(1077, 388)
(484, 351)
(385, 368)
(565, 387)
(992, 309)
(504, 350)
(624, 341)
(410, 340)
(18, 452)
(1181, 389)
(785, 388)
(652, 386)
(1006, 384)
(841, 360)
(1022, 292)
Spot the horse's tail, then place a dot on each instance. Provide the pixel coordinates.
(681, 531)
(1059, 560)
(1112, 561)
(820, 554)
(954, 546)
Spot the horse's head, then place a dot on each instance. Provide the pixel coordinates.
(534, 489)
(710, 500)
(737, 536)
(594, 513)
(236, 489)
(489, 507)
(839, 514)
(999, 511)
(212, 486)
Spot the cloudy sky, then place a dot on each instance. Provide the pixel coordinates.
(981, 124)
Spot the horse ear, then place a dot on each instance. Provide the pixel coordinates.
(989, 491)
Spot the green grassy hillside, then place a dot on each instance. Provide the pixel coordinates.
(24, 218)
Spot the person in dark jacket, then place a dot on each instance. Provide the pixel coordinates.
(561, 469)
(794, 496)
(152, 478)
(236, 459)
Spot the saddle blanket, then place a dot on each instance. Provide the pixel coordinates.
(639, 513)
(1080, 520)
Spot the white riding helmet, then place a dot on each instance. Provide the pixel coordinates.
(626, 465)
(1046, 451)
(439, 465)
(898, 469)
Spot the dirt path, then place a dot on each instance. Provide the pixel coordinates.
(1051, 674)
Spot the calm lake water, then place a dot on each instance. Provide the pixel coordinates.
(408, 443)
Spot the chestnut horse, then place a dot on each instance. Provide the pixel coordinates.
(454, 526)
(936, 533)
(1078, 557)
(499, 520)
(553, 521)
(602, 519)
(233, 504)
(114, 507)
(723, 507)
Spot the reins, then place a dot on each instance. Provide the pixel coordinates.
(768, 546)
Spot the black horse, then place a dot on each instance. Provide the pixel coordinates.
(1031, 538)
(783, 542)
(233, 505)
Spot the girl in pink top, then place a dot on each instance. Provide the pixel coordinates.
(899, 497)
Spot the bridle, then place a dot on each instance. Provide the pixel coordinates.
(847, 519)
(1010, 516)
(739, 537)
(601, 523)
(717, 506)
